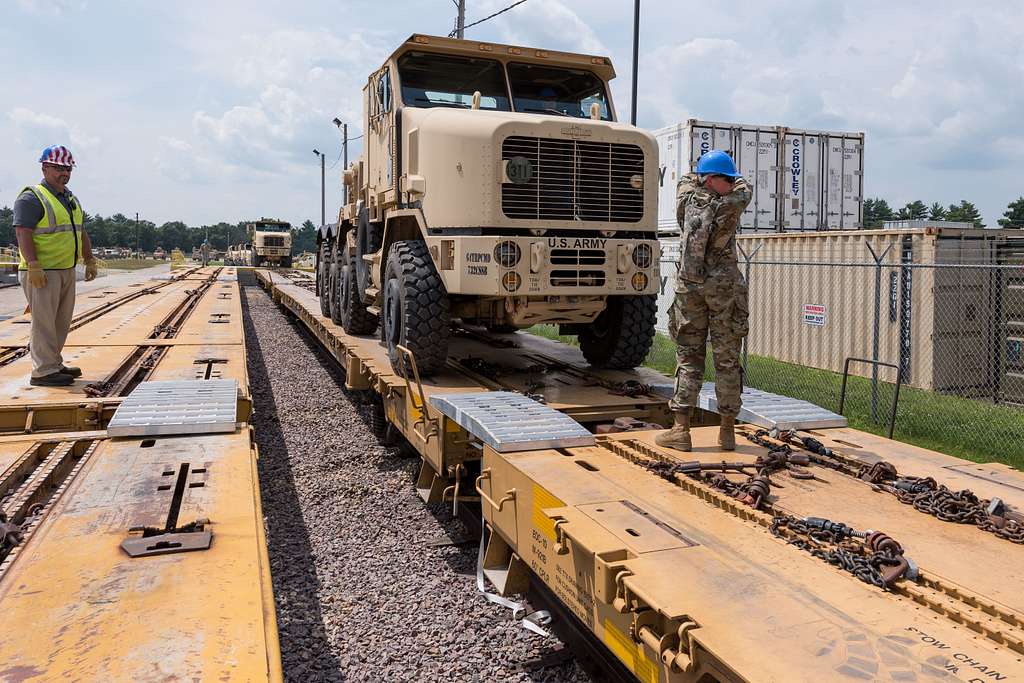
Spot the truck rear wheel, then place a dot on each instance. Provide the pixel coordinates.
(335, 289)
(323, 280)
(354, 316)
(369, 237)
(416, 310)
(621, 336)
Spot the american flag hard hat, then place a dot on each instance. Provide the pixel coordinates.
(58, 155)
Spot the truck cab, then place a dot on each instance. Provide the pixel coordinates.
(270, 243)
(495, 187)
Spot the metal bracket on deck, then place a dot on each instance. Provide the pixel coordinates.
(171, 538)
(430, 427)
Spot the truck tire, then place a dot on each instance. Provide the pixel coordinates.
(335, 289)
(354, 316)
(369, 237)
(323, 280)
(416, 311)
(621, 336)
(286, 261)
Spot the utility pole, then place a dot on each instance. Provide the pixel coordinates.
(460, 22)
(344, 148)
(323, 188)
(636, 56)
(138, 253)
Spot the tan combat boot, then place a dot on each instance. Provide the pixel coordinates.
(679, 436)
(727, 434)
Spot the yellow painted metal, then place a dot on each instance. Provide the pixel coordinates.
(632, 547)
(74, 606)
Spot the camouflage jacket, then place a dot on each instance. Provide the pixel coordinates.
(708, 222)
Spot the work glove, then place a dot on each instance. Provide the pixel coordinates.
(36, 275)
(90, 269)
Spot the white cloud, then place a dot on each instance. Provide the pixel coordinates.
(40, 130)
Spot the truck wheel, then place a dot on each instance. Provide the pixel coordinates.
(286, 262)
(323, 273)
(622, 334)
(354, 316)
(415, 311)
(369, 237)
(335, 289)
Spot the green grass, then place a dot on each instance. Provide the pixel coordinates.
(963, 427)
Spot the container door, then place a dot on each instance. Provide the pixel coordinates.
(757, 156)
(843, 172)
(674, 154)
(800, 177)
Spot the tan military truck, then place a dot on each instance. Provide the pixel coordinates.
(496, 187)
(271, 243)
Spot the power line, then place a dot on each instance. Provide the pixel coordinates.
(343, 151)
(475, 23)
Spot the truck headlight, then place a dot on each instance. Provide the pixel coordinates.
(507, 254)
(643, 255)
(639, 281)
(511, 281)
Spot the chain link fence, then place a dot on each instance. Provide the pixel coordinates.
(938, 320)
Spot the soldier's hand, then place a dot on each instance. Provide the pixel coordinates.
(36, 275)
(90, 269)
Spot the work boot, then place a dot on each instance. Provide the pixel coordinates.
(727, 434)
(54, 379)
(679, 436)
(71, 370)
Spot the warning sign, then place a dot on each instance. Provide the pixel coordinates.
(814, 314)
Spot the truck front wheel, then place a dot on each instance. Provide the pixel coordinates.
(354, 316)
(620, 337)
(416, 310)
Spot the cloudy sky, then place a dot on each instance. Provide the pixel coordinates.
(207, 111)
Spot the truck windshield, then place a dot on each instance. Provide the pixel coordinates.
(542, 89)
(272, 227)
(432, 80)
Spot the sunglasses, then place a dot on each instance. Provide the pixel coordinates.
(60, 169)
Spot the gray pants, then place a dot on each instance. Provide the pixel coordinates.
(52, 307)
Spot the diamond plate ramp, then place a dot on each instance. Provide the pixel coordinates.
(177, 407)
(768, 410)
(507, 421)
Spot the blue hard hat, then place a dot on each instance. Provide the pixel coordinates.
(716, 162)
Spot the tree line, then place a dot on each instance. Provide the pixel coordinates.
(877, 211)
(120, 231)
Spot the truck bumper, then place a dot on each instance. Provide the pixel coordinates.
(532, 266)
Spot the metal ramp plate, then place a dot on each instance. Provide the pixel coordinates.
(177, 407)
(507, 421)
(768, 410)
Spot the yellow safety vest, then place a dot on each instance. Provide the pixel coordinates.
(58, 235)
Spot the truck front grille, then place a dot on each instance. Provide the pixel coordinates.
(575, 180)
(577, 257)
(273, 241)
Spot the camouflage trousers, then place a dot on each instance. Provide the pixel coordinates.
(717, 306)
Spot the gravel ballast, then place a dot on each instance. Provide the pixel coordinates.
(360, 592)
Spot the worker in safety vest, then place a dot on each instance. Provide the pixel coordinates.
(711, 295)
(51, 240)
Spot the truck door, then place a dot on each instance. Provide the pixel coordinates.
(380, 138)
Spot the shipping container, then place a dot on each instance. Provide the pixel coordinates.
(803, 180)
(946, 309)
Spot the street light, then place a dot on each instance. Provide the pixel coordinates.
(636, 56)
(344, 147)
(323, 189)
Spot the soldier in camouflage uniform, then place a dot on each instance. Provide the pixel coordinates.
(711, 295)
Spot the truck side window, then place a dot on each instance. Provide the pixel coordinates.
(384, 91)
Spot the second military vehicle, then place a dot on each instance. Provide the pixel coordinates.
(495, 187)
(269, 244)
